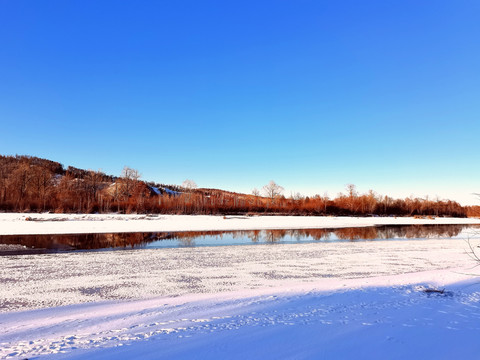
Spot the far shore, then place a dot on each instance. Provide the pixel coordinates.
(45, 223)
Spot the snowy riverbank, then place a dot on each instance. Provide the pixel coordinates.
(21, 223)
(332, 300)
(377, 318)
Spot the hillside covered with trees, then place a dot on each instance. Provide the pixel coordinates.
(31, 184)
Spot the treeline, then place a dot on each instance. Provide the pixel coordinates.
(30, 184)
(473, 211)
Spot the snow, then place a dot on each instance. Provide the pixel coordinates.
(385, 317)
(16, 224)
(36, 281)
(362, 300)
(156, 190)
(171, 192)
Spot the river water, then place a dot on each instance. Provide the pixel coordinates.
(31, 244)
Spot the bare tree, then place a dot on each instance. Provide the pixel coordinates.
(255, 192)
(189, 185)
(130, 174)
(371, 201)
(352, 195)
(93, 184)
(272, 190)
(322, 202)
(19, 183)
(296, 196)
(127, 182)
(351, 190)
(42, 181)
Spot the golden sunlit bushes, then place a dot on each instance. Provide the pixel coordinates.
(473, 211)
(33, 184)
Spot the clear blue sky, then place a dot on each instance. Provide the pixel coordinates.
(232, 94)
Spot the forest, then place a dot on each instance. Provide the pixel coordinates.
(32, 184)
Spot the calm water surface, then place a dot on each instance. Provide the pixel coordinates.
(31, 244)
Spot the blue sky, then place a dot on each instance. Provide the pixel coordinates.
(232, 94)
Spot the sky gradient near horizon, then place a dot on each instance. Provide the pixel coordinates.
(311, 94)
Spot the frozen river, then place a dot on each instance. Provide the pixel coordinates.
(177, 264)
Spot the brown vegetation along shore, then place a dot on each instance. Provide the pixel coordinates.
(33, 184)
(473, 211)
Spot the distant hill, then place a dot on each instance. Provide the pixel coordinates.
(29, 183)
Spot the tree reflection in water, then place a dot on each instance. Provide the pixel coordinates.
(188, 239)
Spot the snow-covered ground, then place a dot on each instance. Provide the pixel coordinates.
(16, 223)
(36, 281)
(348, 300)
(377, 318)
